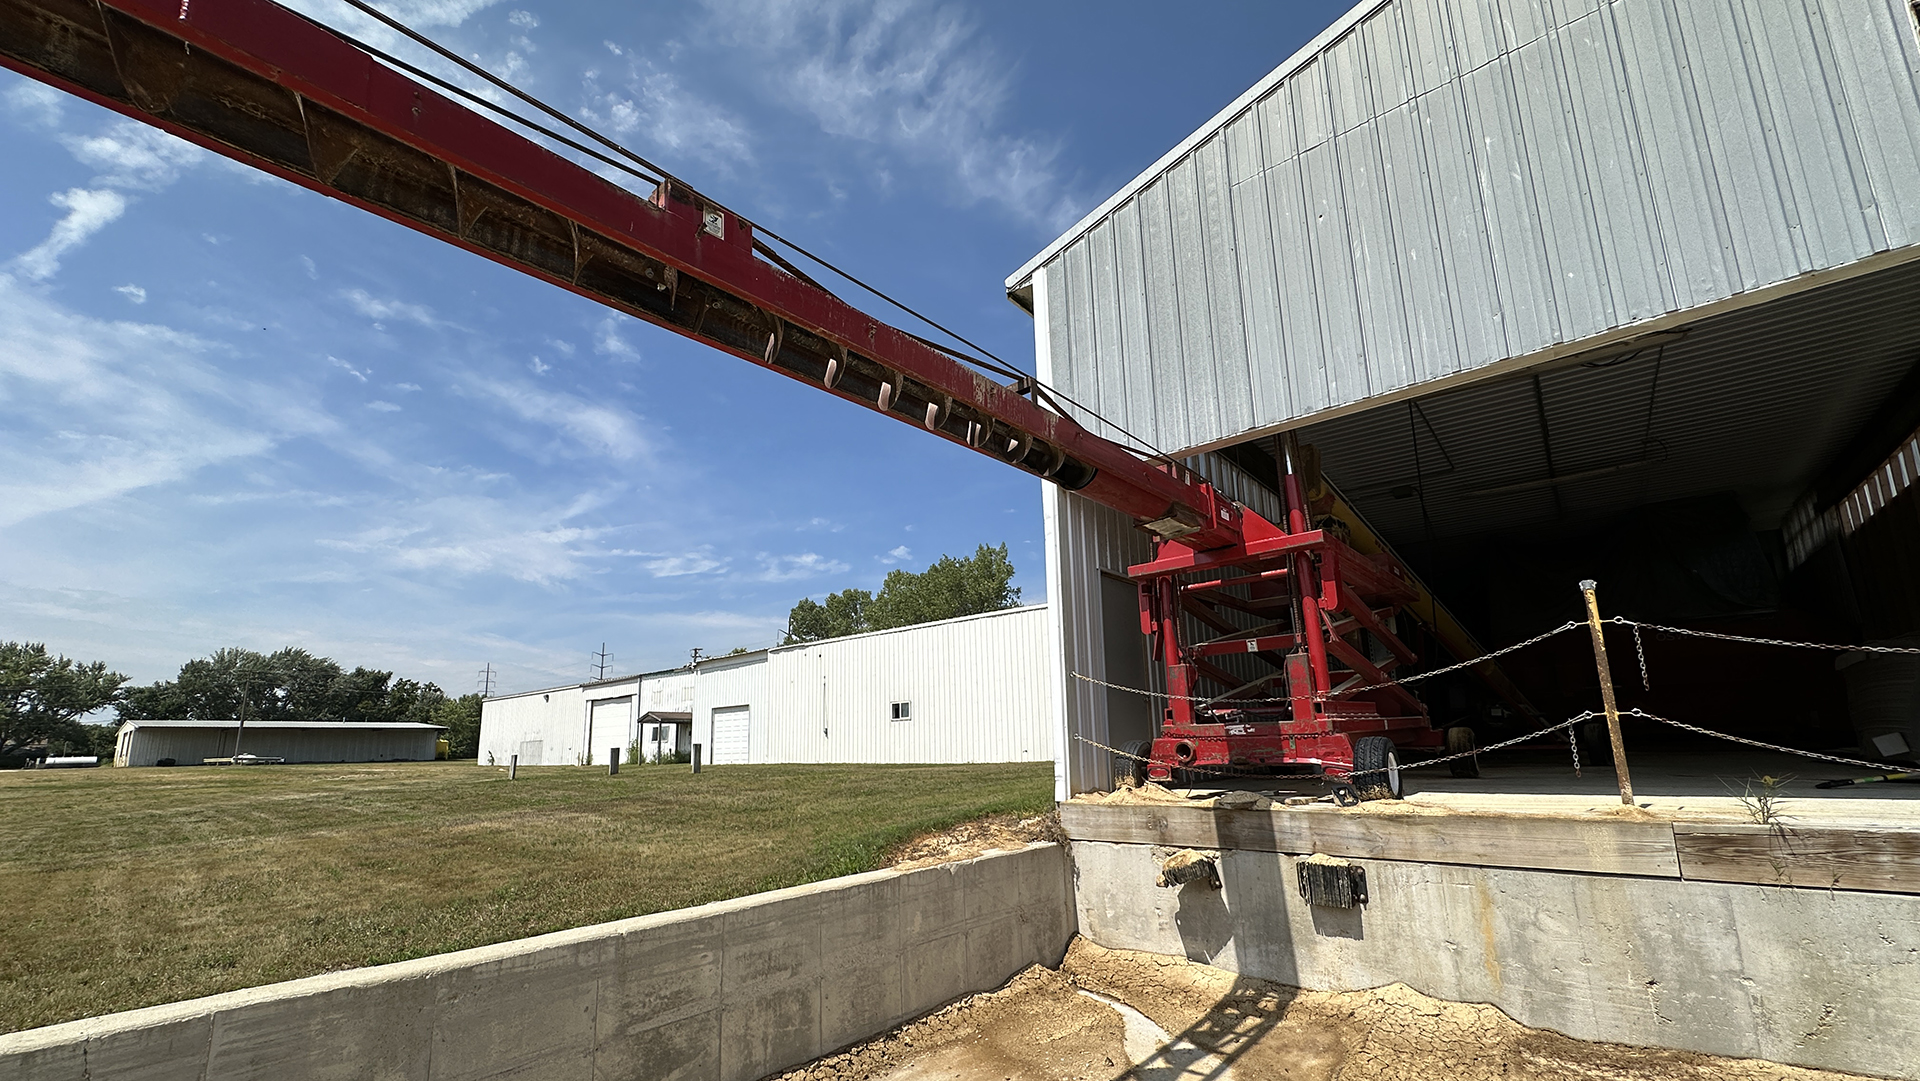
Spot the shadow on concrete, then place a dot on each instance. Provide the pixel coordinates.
(1205, 922)
(1251, 1007)
(1340, 922)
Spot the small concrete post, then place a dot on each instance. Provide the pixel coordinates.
(1587, 588)
(696, 758)
(513, 766)
(613, 761)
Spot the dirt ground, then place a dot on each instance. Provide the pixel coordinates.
(1108, 1015)
(993, 833)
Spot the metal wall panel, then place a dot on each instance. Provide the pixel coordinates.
(1438, 186)
(976, 687)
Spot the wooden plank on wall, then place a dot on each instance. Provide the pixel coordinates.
(1887, 861)
(1558, 844)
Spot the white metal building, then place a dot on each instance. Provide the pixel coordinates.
(1518, 271)
(973, 689)
(189, 743)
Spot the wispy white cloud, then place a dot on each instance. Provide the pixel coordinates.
(597, 428)
(652, 106)
(701, 560)
(135, 156)
(98, 409)
(896, 555)
(470, 535)
(538, 366)
(913, 76)
(88, 212)
(350, 369)
(787, 568)
(132, 292)
(383, 407)
(608, 342)
(376, 308)
(35, 103)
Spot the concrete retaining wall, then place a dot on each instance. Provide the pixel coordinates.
(724, 992)
(1812, 977)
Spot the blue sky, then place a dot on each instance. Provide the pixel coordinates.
(233, 412)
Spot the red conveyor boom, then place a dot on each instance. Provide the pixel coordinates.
(261, 84)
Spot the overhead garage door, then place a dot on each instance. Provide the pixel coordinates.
(730, 736)
(612, 722)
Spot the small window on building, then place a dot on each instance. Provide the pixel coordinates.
(653, 734)
(903, 711)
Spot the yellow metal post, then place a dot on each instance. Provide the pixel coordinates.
(1606, 691)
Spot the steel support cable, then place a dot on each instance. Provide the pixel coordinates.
(998, 364)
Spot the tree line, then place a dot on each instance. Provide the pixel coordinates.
(949, 588)
(44, 697)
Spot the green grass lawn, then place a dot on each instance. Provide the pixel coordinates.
(129, 887)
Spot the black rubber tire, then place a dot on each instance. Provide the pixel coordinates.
(1124, 768)
(1376, 768)
(1459, 739)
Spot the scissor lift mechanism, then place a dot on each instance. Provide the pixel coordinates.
(263, 85)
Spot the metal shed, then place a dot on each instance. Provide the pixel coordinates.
(1516, 269)
(188, 743)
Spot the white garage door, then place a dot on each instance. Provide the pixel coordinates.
(612, 720)
(730, 736)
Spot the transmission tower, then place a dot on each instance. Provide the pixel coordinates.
(601, 662)
(486, 681)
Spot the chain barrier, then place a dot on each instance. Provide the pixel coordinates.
(1881, 767)
(1625, 622)
(1641, 652)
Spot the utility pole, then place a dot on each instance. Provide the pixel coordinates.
(600, 662)
(486, 681)
(696, 657)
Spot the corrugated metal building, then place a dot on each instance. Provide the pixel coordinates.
(1515, 269)
(973, 689)
(189, 743)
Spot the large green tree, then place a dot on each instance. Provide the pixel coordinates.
(951, 587)
(461, 716)
(287, 685)
(43, 697)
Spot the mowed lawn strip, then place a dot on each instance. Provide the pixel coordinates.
(130, 887)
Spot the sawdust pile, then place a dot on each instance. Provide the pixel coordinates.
(994, 833)
(1035, 1027)
(1039, 1028)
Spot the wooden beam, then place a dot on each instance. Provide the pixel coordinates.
(1886, 861)
(1587, 845)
